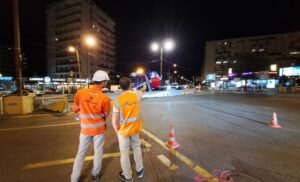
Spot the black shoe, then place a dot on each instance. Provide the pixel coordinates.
(96, 178)
(140, 174)
(123, 178)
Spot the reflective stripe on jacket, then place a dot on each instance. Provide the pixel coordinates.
(93, 107)
(129, 106)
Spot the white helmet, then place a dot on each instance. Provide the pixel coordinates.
(100, 76)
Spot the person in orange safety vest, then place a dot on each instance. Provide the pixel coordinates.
(127, 123)
(93, 108)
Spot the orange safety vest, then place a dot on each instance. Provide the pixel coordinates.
(93, 107)
(129, 107)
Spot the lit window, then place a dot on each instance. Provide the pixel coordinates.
(234, 61)
(225, 43)
(218, 62)
(225, 62)
(253, 50)
(261, 50)
(56, 39)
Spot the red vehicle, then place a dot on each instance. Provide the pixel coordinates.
(152, 80)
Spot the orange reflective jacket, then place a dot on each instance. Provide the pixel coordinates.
(129, 106)
(93, 107)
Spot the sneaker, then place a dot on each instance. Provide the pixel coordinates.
(140, 174)
(123, 178)
(96, 178)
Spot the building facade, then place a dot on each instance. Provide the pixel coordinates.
(251, 54)
(68, 23)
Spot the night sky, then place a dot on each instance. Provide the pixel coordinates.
(190, 23)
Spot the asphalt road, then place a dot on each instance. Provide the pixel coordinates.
(216, 133)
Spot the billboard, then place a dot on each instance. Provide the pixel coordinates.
(290, 71)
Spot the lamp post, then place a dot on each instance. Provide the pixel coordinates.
(73, 49)
(168, 45)
(90, 41)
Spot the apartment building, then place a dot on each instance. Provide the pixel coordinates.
(248, 54)
(68, 23)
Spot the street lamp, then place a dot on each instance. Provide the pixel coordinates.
(167, 45)
(140, 71)
(90, 41)
(0, 74)
(73, 49)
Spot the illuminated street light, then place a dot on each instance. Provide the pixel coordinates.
(174, 65)
(71, 49)
(168, 45)
(0, 74)
(90, 41)
(140, 71)
(154, 46)
(175, 72)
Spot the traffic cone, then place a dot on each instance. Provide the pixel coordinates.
(274, 122)
(172, 144)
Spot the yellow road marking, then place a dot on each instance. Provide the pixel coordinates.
(42, 126)
(167, 162)
(146, 144)
(71, 160)
(198, 169)
(67, 161)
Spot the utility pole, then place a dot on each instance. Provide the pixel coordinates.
(18, 55)
(161, 63)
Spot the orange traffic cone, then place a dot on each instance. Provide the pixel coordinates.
(274, 122)
(172, 144)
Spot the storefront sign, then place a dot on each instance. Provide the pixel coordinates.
(47, 79)
(35, 79)
(211, 77)
(6, 78)
(58, 79)
(290, 71)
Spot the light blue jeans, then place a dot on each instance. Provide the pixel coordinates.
(84, 142)
(124, 144)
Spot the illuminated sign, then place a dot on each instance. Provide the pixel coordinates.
(290, 71)
(211, 77)
(58, 79)
(36, 79)
(47, 79)
(271, 83)
(6, 78)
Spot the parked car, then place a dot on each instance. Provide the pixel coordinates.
(25, 92)
(37, 92)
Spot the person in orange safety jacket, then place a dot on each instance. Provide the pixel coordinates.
(127, 123)
(93, 108)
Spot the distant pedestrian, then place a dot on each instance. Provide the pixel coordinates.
(126, 120)
(93, 107)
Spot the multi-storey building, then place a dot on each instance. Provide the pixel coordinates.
(251, 53)
(68, 22)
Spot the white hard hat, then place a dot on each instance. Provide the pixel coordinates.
(100, 76)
